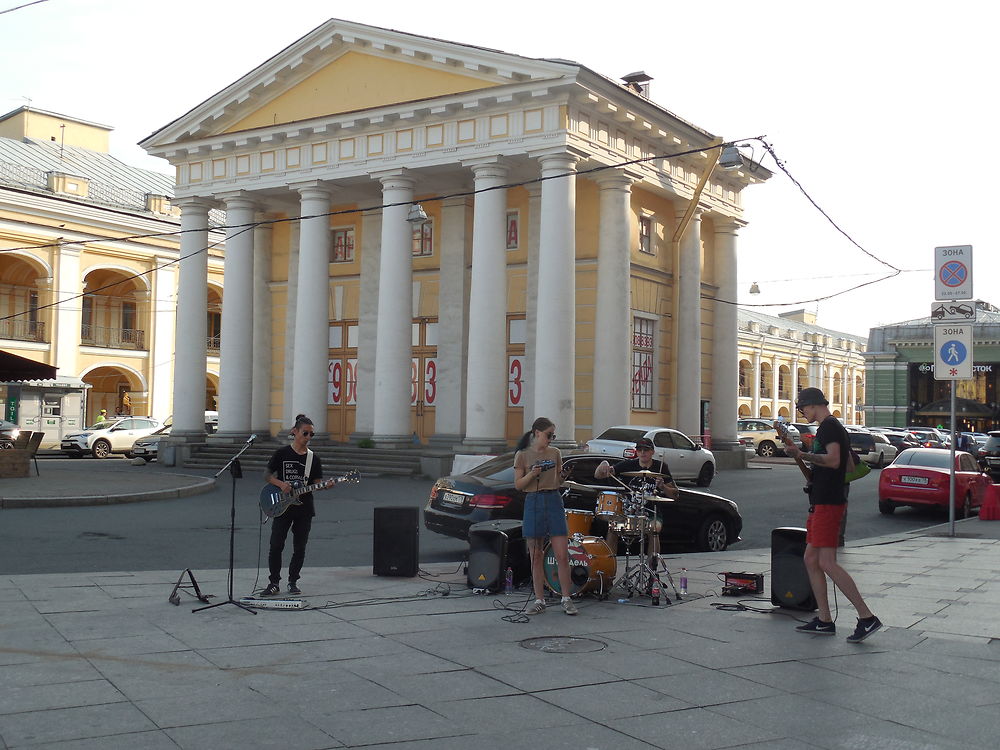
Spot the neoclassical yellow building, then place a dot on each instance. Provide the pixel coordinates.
(78, 288)
(577, 257)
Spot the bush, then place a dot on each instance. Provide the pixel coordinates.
(366, 443)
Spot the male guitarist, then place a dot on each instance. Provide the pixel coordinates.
(287, 465)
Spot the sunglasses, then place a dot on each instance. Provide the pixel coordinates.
(549, 435)
(307, 433)
(644, 449)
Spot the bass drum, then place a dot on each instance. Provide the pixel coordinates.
(592, 566)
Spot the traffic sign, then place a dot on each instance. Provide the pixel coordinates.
(953, 352)
(953, 272)
(953, 312)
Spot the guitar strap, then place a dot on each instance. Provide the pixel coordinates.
(309, 464)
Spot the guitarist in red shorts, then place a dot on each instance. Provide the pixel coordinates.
(287, 465)
(827, 505)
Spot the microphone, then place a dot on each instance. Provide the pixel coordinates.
(251, 439)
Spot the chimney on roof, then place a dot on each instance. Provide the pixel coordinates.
(638, 82)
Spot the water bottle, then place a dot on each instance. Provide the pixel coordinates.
(508, 582)
(684, 580)
(655, 593)
(623, 601)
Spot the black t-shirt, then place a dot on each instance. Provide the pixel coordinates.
(632, 464)
(828, 483)
(289, 466)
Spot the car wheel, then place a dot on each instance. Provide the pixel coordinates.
(880, 461)
(101, 449)
(886, 507)
(713, 536)
(706, 475)
(965, 510)
(766, 449)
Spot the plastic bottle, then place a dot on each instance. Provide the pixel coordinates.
(623, 601)
(655, 593)
(508, 582)
(684, 580)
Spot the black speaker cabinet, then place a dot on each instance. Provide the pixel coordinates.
(396, 542)
(493, 547)
(790, 587)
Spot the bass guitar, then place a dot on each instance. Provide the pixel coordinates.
(274, 502)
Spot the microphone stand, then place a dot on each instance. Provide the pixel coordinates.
(236, 472)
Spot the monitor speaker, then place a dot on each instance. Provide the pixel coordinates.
(396, 541)
(493, 547)
(790, 587)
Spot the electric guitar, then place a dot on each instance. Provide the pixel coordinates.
(782, 431)
(274, 502)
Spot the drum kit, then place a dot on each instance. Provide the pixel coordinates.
(630, 513)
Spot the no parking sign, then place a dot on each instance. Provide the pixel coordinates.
(953, 272)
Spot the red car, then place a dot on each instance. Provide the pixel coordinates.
(920, 477)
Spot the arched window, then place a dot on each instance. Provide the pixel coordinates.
(765, 380)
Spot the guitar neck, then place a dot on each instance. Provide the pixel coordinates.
(783, 434)
(312, 487)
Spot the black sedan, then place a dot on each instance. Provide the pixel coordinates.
(486, 493)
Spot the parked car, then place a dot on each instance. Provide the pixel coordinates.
(765, 438)
(921, 477)
(486, 493)
(873, 447)
(148, 448)
(807, 433)
(8, 434)
(901, 439)
(110, 436)
(927, 438)
(989, 454)
(686, 459)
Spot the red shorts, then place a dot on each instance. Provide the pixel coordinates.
(823, 525)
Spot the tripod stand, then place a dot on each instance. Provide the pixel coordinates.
(236, 472)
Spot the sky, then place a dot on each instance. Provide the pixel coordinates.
(881, 110)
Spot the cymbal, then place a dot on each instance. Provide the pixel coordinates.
(658, 499)
(641, 473)
(575, 485)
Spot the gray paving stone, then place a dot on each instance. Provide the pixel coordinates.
(54, 725)
(153, 740)
(489, 715)
(17, 699)
(286, 732)
(605, 702)
(707, 687)
(213, 705)
(692, 729)
(442, 686)
(386, 725)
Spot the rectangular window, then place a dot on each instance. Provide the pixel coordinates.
(646, 235)
(642, 364)
(423, 239)
(128, 316)
(343, 245)
(513, 230)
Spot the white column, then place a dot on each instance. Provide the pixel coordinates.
(794, 392)
(69, 285)
(555, 332)
(364, 413)
(688, 386)
(312, 316)
(453, 322)
(190, 341)
(485, 401)
(260, 400)
(725, 342)
(162, 318)
(612, 339)
(531, 306)
(236, 346)
(291, 295)
(774, 387)
(393, 350)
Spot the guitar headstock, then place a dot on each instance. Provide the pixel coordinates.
(351, 477)
(782, 429)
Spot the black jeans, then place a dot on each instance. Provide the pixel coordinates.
(300, 525)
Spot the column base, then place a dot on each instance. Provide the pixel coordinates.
(445, 440)
(728, 460)
(394, 441)
(726, 445)
(228, 438)
(474, 445)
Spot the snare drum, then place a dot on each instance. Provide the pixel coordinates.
(578, 521)
(609, 505)
(591, 563)
(631, 525)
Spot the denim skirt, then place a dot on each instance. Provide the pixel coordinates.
(544, 515)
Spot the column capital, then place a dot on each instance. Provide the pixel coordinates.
(315, 189)
(728, 225)
(193, 205)
(400, 178)
(71, 248)
(487, 168)
(238, 199)
(681, 211)
(615, 179)
(553, 159)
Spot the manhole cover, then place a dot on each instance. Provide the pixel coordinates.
(562, 644)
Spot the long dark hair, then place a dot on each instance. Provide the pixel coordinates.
(539, 425)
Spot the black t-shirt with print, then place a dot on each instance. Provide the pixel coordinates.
(289, 466)
(828, 483)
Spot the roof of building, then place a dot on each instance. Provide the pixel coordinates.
(70, 118)
(745, 315)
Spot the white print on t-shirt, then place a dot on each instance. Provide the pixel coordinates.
(291, 471)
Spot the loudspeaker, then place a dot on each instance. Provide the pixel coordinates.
(396, 541)
(493, 547)
(790, 587)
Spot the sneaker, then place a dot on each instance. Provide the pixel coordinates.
(864, 629)
(294, 590)
(538, 608)
(817, 627)
(568, 607)
(271, 590)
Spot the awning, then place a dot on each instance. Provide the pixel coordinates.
(964, 407)
(14, 368)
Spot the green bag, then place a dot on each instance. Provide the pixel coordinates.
(861, 469)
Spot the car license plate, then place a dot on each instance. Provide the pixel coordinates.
(913, 480)
(452, 498)
(138, 451)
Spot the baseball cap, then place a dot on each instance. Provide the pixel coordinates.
(643, 442)
(810, 397)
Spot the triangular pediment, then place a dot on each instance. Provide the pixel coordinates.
(348, 67)
(357, 81)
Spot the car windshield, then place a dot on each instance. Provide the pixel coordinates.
(101, 425)
(621, 434)
(934, 459)
(861, 440)
(499, 469)
(992, 443)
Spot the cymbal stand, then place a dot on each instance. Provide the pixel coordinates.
(639, 576)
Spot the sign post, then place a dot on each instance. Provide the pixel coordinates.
(952, 341)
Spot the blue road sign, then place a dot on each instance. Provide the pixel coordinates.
(953, 352)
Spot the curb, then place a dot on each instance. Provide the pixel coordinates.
(198, 488)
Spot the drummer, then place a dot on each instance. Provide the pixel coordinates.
(664, 484)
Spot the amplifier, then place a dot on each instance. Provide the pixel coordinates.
(739, 584)
(249, 601)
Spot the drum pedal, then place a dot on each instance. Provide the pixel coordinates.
(740, 584)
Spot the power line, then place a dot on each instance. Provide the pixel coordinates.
(19, 7)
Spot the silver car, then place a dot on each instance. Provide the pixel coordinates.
(685, 458)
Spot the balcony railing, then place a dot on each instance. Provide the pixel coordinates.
(214, 342)
(20, 329)
(112, 338)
